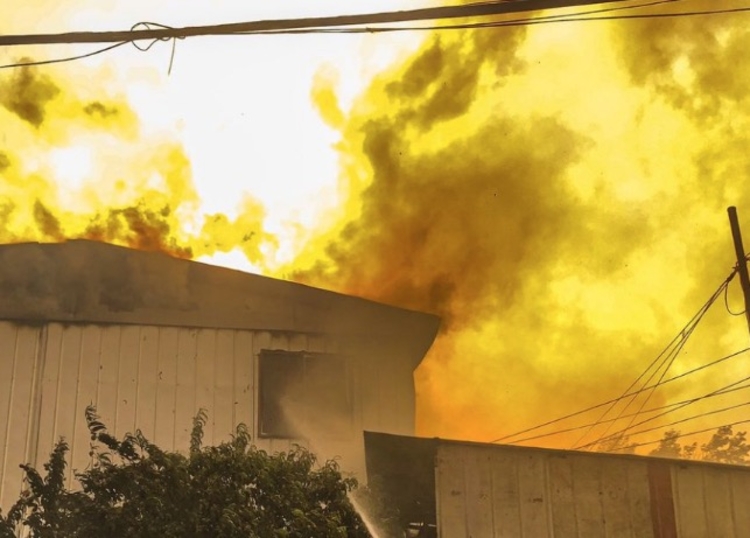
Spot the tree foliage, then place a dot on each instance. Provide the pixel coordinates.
(134, 489)
(725, 446)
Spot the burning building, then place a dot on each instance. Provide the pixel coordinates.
(150, 339)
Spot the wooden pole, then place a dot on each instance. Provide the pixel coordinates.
(739, 250)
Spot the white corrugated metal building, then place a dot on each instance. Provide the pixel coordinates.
(480, 490)
(150, 339)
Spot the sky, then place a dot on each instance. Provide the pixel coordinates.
(556, 193)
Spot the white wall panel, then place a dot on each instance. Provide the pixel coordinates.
(19, 357)
(166, 387)
(155, 379)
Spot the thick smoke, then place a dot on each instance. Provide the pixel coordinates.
(26, 94)
(558, 201)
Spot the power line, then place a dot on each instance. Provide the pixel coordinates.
(480, 9)
(688, 434)
(666, 362)
(732, 387)
(681, 421)
(327, 25)
(628, 392)
(597, 406)
(679, 406)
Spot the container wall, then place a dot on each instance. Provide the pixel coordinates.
(711, 501)
(509, 493)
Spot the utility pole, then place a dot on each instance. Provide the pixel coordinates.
(739, 250)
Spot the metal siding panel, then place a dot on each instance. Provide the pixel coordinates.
(185, 401)
(128, 380)
(451, 493)
(562, 494)
(9, 449)
(718, 495)
(205, 396)
(70, 366)
(506, 490)
(479, 494)
(740, 486)
(109, 371)
(588, 496)
(148, 379)
(639, 501)
(166, 388)
(223, 415)
(615, 499)
(86, 389)
(690, 504)
(50, 387)
(18, 357)
(534, 501)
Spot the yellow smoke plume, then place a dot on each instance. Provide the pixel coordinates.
(557, 194)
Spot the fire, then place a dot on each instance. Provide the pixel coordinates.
(555, 193)
(119, 187)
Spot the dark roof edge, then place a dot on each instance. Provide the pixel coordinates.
(84, 281)
(436, 442)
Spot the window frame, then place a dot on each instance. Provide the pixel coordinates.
(288, 432)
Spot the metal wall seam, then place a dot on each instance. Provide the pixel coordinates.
(32, 445)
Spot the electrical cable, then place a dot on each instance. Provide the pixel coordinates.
(682, 405)
(681, 435)
(164, 33)
(688, 419)
(719, 392)
(667, 363)
(597, 406)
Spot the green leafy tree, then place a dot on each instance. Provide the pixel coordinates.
(135, 489)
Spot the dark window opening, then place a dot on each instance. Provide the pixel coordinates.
(303, 394)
